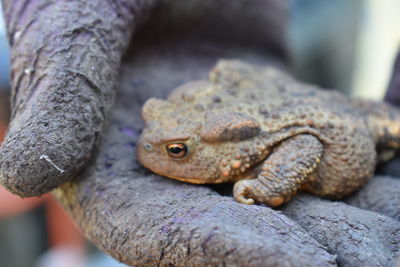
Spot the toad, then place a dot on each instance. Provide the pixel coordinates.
(268, 134)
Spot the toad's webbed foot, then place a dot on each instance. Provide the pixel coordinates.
(283, 172)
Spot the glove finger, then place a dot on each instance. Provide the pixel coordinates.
(65, 61)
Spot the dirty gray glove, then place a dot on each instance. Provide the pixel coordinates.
(138, 217)
(65, 62)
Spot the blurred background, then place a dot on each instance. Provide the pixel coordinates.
(349, 45)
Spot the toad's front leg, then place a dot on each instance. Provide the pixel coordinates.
(282, 173)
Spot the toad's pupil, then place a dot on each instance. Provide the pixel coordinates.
(176, 150)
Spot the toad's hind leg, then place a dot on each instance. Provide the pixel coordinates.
(383, 121)
(348, 162)
(282, 173)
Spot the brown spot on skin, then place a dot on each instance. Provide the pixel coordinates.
(264, 111)
(245, 149)
(251, 96)
(216, 99)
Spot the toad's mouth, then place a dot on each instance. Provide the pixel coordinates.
(190, 180)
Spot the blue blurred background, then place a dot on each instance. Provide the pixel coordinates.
(349, 45)
(344, 44)
(4, 61)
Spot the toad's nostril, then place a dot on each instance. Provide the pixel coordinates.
(148, 147)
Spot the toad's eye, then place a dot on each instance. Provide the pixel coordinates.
(178, 150)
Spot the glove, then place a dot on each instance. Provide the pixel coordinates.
(138, 217)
